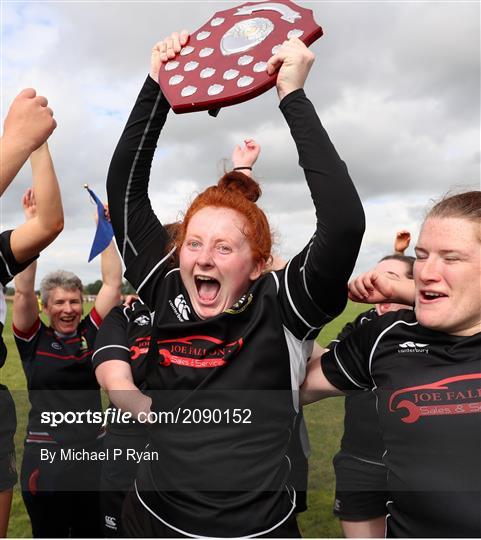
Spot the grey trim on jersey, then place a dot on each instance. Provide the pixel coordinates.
(177, 269)
(341, 367)
(191, 535)
(303, 268)
(378, 339)
(276, 279)
(149, 275)
(304, 437)
(131, 174)
(3, 307)
(294, 308)
(364, 460)
(110, 347)
(10, 275)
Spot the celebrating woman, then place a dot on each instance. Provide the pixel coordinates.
(229, 342)
(424, 367)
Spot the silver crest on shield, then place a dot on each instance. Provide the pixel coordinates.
(245, 35)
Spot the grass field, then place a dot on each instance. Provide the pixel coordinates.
(324, 421)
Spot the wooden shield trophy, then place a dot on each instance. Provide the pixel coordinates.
(225, 60)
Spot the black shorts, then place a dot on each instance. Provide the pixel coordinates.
(138, 522)
(117, 478)
(8, 424)
(361, 488)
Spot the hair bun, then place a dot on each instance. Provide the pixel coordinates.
(242, 184)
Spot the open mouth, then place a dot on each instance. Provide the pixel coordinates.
(207, 288)
(430, 296)
(67, 319)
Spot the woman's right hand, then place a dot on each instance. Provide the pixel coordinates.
(165, 50)
(372, 287)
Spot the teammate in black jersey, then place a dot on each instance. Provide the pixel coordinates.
(361, 477)
(228, 341)
(60, 378)
(123, 338)
(425, 369)
(27, 126)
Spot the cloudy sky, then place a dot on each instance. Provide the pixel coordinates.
(396, 84)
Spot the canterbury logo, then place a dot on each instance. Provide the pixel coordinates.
(110, 522)
(142, 320)
(412, 345)
(180, 308)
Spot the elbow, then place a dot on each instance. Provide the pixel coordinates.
(54, 228)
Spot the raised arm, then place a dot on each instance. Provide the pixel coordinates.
(110, 292)
(374, 287)
(318, 275)
(28, 125)
(39, 231)
(25, 304)
(137, 229)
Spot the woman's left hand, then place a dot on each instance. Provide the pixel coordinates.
(246, 156)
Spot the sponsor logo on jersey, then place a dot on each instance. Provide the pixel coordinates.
(241, 305)
(83, 344)
(56, 345)
(450, 396)
(142, 320)
(412, 347)
(197, 351)
(180, 308)
(111, 522)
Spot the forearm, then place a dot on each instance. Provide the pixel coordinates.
(47, 192)
(25, 281)
(111, 267)
(126, 396)
(330, 259)
(12, 157)
(25, 304)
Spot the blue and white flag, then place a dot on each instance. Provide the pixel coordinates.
(104, 232)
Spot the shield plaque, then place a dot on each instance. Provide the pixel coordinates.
(224, 61)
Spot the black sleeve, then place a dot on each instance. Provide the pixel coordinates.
(346, 366)
(111, 342)
(9, 267)
(363, 317)
(319, 274)
(140, 236)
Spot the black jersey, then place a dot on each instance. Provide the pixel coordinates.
(60, 377)
(362, 436)
(9, 266)
(223, 386)
(125, 335)
(428, 386)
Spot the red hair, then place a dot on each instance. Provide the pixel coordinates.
(238, 192)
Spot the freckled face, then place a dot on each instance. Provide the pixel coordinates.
(447, 274)
(216, 262)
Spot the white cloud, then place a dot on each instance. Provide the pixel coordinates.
(395, 83)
